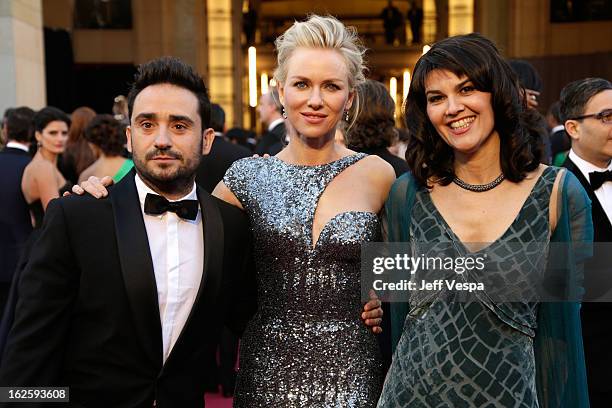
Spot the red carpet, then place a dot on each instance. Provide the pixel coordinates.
(217, 401)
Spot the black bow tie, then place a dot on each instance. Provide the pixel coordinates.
(157, 205)
(597, 178)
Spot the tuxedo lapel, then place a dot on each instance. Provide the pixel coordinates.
(137, 266)
(603, 227)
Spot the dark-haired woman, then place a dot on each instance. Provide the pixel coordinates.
(42, 181)
(78, 154)
(475, 178)
(106, 137)
(374, 129)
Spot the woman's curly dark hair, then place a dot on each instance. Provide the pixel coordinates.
(476, 58)
(375, 126)
(107, 133)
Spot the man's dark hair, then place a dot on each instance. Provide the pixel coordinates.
(217, 117)
(478, 59)
(527, 74)
(107, 133)
(555, 111)
(576, 95)
(47, 115)
(173, 71)
(19, 124)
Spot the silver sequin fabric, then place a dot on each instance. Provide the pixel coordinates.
(307, 345)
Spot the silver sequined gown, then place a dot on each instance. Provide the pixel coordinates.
(307, 345)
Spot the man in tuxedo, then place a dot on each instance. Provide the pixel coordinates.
(586, 109)
(560, 142)
(122, 296)
(222, 154)
(273, 139)
(15, 222)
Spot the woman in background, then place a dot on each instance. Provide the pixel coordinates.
(107, 139)
(374, 130)
(42, 180)
(78, 154)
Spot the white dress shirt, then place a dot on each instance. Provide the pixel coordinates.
(17, 145)
(177, 250)
(275, 123)
(603, 193)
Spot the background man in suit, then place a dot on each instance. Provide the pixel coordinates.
(222, 154)
(270, 113)
(15, 222)
(122, 296)
(560, 142)
(586, 109)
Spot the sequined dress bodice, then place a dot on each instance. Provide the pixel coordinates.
(478, 352)
(306, 346)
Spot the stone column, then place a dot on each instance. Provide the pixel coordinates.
(221, 56)
(22, 57)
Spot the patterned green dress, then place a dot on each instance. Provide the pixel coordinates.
(481, 353)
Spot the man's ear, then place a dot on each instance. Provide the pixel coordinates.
(208, 137)
(572, 129)
(128, 135)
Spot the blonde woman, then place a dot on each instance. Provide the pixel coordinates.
(311, 207)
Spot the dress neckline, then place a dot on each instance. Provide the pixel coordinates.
(456, 238)
(356, 155)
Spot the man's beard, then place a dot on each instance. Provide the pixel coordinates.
(177, 182)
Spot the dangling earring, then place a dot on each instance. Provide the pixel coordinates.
(39, 144)
(346, 115)
(284, 113)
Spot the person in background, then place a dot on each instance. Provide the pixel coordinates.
(242, 137)
(340, 136)
(392, 20)
(415, 16)
(398, 148)
(586, 111)
(78, 154)
(42, 181)
(15, 223)
(374, 130)
(531, 87)
(3, 131)
(106, 137)
(222, 154)
(560, 142)
(273, 139)
(120, 109)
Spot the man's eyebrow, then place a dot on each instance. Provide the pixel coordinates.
(181, 118)
(145, 115)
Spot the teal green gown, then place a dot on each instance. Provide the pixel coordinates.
(482, 353)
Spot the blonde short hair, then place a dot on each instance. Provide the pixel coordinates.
(325, 32)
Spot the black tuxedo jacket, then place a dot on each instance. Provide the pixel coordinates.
(88, 316)
(272, 141)
(214, 165)
(596, 327)
(15, 222)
